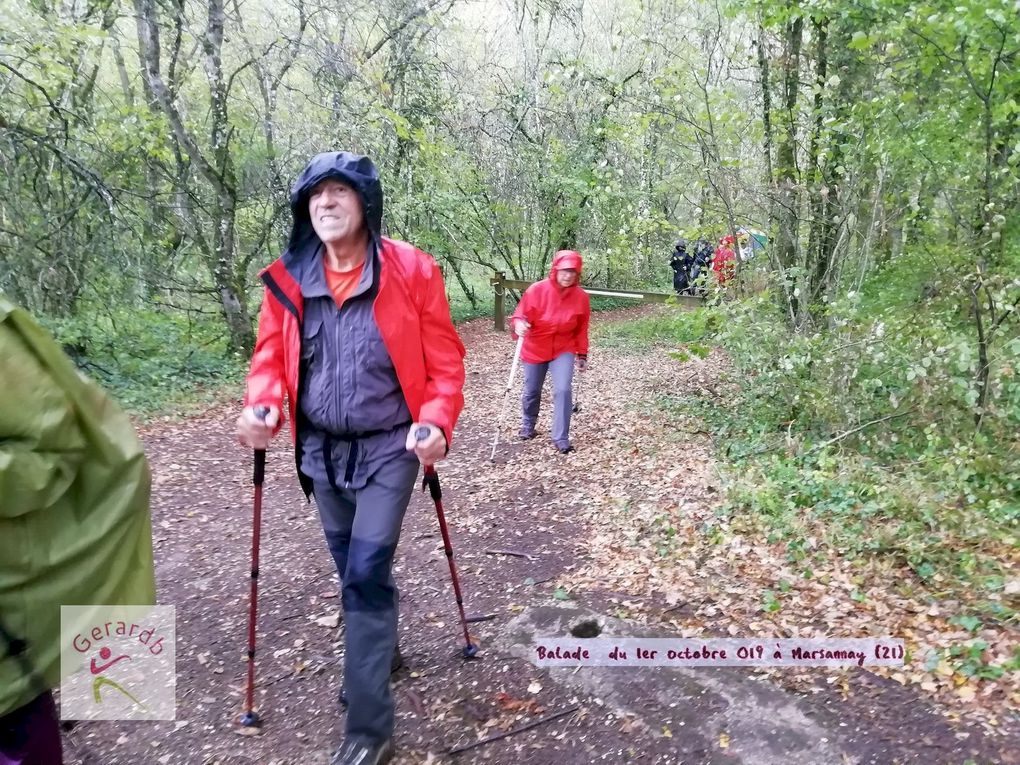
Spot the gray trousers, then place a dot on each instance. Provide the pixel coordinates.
(362, 529)
(562, 368)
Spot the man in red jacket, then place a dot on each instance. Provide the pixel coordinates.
(553, 317)
(355, 332)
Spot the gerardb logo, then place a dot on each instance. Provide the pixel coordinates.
(118, 663)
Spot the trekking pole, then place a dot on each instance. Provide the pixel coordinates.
(250, 718)
(509, 385)
(431, 480)
(577, 392)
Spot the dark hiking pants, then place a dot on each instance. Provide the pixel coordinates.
(362, 528)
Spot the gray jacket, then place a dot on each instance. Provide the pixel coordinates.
(354, 416)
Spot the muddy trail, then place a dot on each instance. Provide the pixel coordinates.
(543, 542)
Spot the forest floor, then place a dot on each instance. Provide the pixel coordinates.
(623, 531)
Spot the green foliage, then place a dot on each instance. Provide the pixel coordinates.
(561, 594)
(969, 623)
(152, 360)
(771, 602)
(462, 310)
(969, 660)
(666, 327)
(861, 436)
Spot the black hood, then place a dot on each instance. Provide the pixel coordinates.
(356, 171)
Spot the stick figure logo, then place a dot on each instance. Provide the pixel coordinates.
(117, 662)
(101, 680)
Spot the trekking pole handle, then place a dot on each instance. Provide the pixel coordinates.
(259, 475)
(431, 478)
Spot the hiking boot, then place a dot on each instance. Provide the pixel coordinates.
(396, 664)
(564, 447)
(526, 434)
(363, 753)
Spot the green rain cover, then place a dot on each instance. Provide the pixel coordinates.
(74, 504)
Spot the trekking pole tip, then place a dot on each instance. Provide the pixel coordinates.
(250, 719)
(470, 651)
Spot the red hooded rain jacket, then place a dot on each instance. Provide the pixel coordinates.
(558, 315)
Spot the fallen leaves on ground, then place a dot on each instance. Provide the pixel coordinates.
(508, 703)
(629, 519)
(651, 491)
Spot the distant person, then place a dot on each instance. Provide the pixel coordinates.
(553, 317)
(681, 262)
(74, 524)
(701, 261)
(724, 264)
(745, 245)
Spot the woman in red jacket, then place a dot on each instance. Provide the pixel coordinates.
(552, 317)
(724, 264)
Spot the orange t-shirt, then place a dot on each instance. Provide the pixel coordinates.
(343, 283)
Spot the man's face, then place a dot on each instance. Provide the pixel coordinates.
(335, 209)
(566, 277)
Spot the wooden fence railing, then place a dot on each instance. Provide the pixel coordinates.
(500, 284)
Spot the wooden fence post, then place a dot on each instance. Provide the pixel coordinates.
(499, 309)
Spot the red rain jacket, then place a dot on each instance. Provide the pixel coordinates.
(725, 262)
(410, 306)
(558, 316)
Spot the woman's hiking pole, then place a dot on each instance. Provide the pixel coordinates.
(506, 393)
(431, 480)
(250, 718)
(577, 392)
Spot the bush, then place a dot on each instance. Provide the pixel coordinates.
(666, 326)
(864, 433)
(150, 360)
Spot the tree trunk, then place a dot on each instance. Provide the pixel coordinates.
(788, 198)
(825, 191)
(766, 119)
(214, 165)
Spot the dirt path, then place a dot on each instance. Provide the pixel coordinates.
(550, 511)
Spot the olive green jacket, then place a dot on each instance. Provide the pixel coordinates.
(74, 504)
